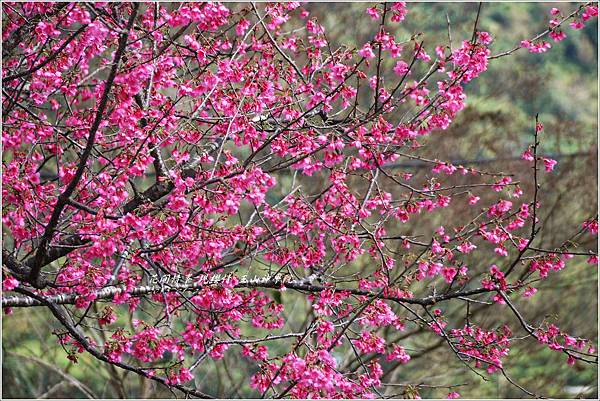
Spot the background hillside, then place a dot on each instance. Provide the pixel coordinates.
(561, 85)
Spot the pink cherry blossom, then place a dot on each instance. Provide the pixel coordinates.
(366, 51)
(549, 164)
(401, 67)
(373, 12)
(575, 24)
(9, 284)
(210, 183)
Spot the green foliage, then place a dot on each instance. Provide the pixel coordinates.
(561, 85)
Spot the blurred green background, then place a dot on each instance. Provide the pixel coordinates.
(561, 85)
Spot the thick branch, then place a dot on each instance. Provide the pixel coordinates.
(63, 198)
(62, 316)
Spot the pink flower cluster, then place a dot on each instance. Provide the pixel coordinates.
(243, 145)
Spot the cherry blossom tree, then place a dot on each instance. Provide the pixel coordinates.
(177, 177)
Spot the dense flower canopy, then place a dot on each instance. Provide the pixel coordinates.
(145, 146)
